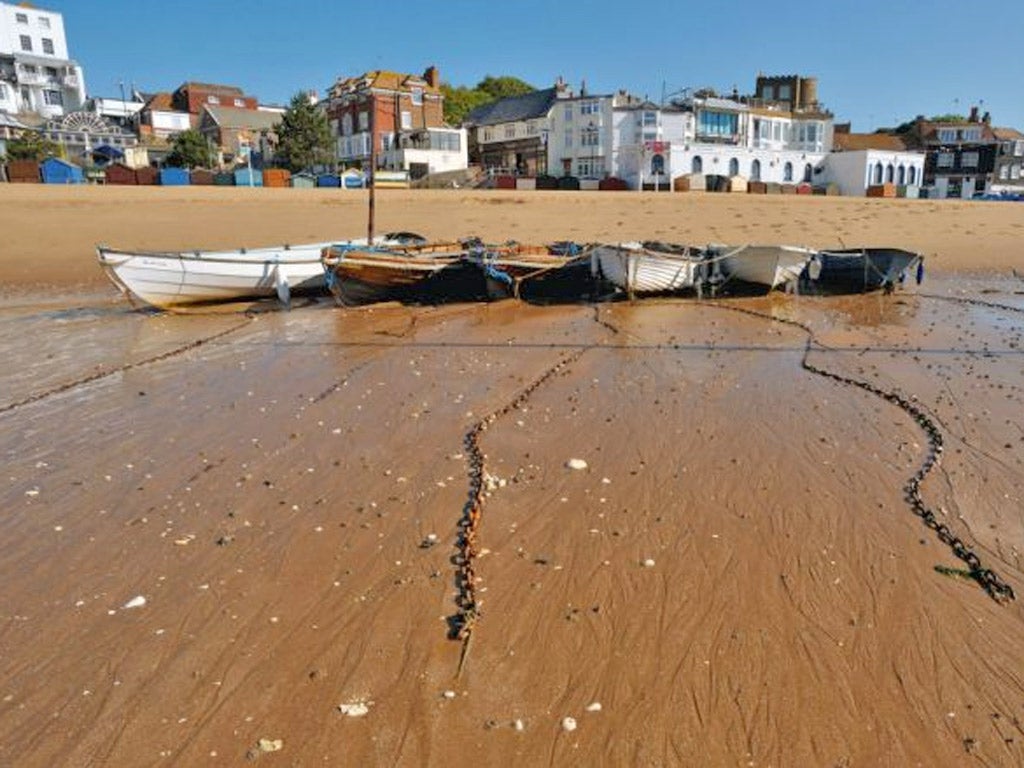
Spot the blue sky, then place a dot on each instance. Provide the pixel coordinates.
(878, 62)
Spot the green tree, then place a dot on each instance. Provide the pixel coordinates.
(459, 101)
(503, 87)
(304, 136)
(31, 145)
(190, 150)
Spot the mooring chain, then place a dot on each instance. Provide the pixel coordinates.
(996, 588)
(122, 368)
(468, 550)
(974, 302)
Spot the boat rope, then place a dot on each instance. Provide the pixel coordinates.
(993, 585)
(467, 601)
(103, 374)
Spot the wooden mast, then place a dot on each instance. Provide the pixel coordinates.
(373, 166)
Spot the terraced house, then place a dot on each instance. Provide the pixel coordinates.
(402, 114)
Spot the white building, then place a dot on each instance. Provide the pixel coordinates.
(861, 160)
(36, 73)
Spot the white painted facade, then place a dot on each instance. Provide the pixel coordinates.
(854, 171)
(440, 150)
(36, 73)
(169, 123)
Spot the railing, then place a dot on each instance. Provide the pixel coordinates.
(71, 81)
(32, 78)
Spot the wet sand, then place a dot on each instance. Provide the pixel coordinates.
(267, 481)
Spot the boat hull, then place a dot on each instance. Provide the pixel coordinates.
(504, 268)
(770, 266)
(170, 280)
(636, 269)
(859, 270)
(364, 276)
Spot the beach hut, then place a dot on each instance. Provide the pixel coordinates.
(23, 172)
(612, 184)
(803, 188)
(738, 184)
(173, 177)
(882, 190)
(201, 177)
(303, 180)
(146, 175)
(526, 182)
(119, 173)
(569, 183)
(57, 171)
(276, 177)
(224, 179)
(546, 182)
(332, 180)
(592, 185)
(248, 177)
(353, 179)
(757, 187)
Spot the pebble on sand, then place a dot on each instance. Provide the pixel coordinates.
(136, 602)
(648, 563)
(270, 745)
(568, 724)
(594, 707)
(354, 708)
(576, 464)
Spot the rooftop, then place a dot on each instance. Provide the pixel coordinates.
(250, 119)
(526, 107)
(852, 142)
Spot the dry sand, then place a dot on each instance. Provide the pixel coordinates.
(265, 482)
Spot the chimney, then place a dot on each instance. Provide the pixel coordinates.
(432, 76)
(974, 115)
(986, 118)
(583, 87)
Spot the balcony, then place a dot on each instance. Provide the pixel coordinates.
(32, 78)
(70, 81)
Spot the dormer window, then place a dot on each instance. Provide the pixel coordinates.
(240, 103)
(417, 96)
(21, 18)
(211, 99)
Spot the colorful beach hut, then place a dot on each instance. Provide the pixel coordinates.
(57, 171)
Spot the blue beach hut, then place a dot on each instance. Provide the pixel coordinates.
(57, 171)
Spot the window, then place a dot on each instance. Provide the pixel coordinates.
(47, 45)
(1004, 172)
(531, 128)
(29, 69)
(812, 133)
(21, 18)
(240, 103)
(776, 131)
(649, 118)
(510, 130)
(53, 98)
(3, 92)
(808, 171)
(211, 99)
(890, 174)
(51, 72)
(718, 123)
(734, 167)
(755, 170)
(346, 124)
(590, 166)
(488, 134)
(784, 93)
(912, 175)
(364, 120)
(386, 141)
(944, 160)
(877, 175)
(787, 172)
(901, 176)
(26, 43)
(589, 137)
(417, 96)
(568, 113)
(406, 120)
(697, 164)
(568, 137)
(1014, 172)
(969, 160)
(589, 107)
(44, 22)
(1018, 148)
(947, 135)
(658, 165)
(972, 134)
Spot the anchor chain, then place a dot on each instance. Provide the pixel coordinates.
(993, 585)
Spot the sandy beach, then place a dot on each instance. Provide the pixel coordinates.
(241, 524)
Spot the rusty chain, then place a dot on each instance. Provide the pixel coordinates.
(993, 585)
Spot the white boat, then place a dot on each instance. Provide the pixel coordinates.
(166, 280)
(768, 265)
(648, 267)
